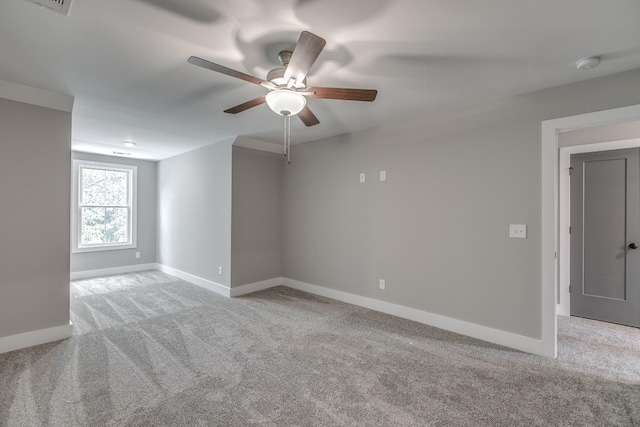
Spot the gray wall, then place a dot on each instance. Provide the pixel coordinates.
(256, 245)
(437, 229)
(35, 171)
(147, 204)
(194, 212)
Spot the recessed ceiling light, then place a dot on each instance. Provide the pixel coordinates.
(588, 63)
(129, 143)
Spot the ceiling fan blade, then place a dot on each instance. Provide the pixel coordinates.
(304, 55)
(246, 105)
(367, 95)
(307, 117)
(229, 72)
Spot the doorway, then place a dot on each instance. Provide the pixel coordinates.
(554, 259)
(604, 235)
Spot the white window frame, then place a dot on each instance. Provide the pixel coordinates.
(76, 242)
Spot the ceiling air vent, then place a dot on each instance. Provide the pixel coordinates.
(60, 6)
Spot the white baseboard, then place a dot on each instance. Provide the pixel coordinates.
(199, 281)
(256, 286)
(496, 336)
(562, 310)
(113, 270)
(41, 336)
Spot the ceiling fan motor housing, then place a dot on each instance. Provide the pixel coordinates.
(276, 76)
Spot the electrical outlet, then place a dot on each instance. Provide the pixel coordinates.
(383, 284)
(137, 254)
(383, 175)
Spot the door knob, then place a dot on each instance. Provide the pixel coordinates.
(633, 246)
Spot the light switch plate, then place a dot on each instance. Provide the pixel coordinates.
(362, 177)
(518, 231)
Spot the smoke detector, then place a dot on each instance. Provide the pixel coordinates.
(588, 63)
(60, 6)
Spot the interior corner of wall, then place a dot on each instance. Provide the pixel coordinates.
(34, 96)
(255, 144)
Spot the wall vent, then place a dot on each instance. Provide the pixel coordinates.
(60, 6)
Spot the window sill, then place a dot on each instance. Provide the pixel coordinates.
(103, 248)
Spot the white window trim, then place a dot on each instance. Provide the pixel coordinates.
(76, 246)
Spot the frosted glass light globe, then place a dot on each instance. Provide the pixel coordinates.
(286, 102)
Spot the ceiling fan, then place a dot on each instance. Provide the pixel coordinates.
(288, 85)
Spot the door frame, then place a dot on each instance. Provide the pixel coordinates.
(550, 208)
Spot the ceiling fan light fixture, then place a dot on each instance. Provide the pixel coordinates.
(285, 102)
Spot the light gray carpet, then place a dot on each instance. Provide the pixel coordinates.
(151, 350)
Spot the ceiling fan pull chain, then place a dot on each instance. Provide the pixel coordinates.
(288, 121)
(284, 149)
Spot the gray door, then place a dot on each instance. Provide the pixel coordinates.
(605, 232)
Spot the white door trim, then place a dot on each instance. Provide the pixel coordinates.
(550, 208)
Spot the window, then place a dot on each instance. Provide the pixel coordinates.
(104, 211)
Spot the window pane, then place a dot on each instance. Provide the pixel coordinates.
(103, 187)
(92, 225)
(104, 225)
(116, 225)
(116, 191)
(93, 186)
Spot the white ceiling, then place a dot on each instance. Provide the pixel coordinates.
(125, 61)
